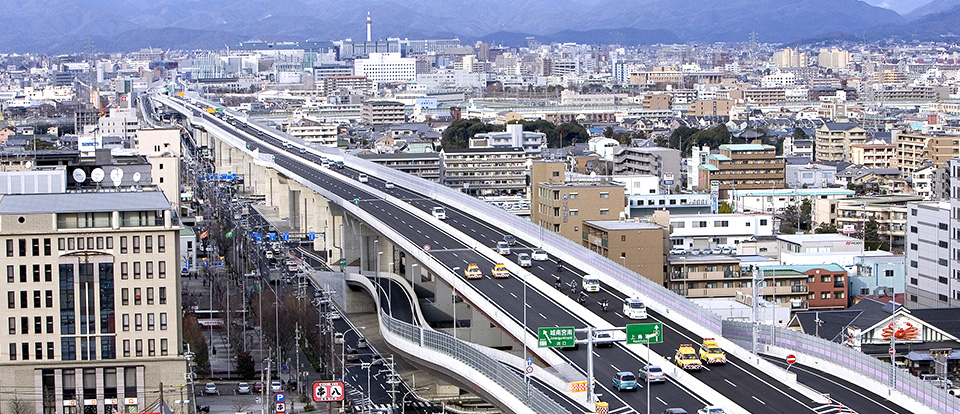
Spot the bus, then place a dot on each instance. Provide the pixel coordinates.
(209, 319)
(634, 308)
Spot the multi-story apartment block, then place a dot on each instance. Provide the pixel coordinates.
(874, 155)
(834, 140)
(914, 150)
(644, 205)
(321, 133)
(933, 274)
(383, 112)
(93, 300)
(563, 207)
(742, 166)
(807, 287)
(347, 84)
(707, 276)
(890, 213)
(712, 107)
(485, 171)
(709, 231)
(640, 246)
(425, 165)
(655, 161)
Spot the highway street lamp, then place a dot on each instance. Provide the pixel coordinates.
(403, 404)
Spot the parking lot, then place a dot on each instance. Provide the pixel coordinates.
(227, 400)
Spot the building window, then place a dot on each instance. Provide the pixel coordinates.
(623, 238)
(913, 281)
(163, 346)
(13, 351)
(913, 229)
(139, 344)
(162, 293)
(147, 244)
(163, 321)
(22, 250)
(825, 295)
(138, 322)
(35, 247)
(942, 244)
(136, 244)
(574, 212)
(888, 273)
(721, 223)
(124, 270)
(604, 212)
(37, 299)
(149, 266)
(943, 280)
(136, 296)
(162, 269)
(123, 244)
(913, 263)
(9, 247)
(47, 273)
(36, 273)
(50, 329)
(48, 299)
(151, 347)
(913, 246)
(124, 296)
(150, 322)
(12, 322)
(149, 296)
(109, 242)
(50, 350)
(763, 222)
(126, 347)
(26, 350)
(23, 273)
(11, 300)
(161, 244)
(125, 322)
(604, 195)
(10, 274)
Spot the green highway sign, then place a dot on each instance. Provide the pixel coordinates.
(645, 333)
(556, 337)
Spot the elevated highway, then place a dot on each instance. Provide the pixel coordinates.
(400, 213)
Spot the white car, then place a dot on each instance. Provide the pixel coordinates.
(243, 388)
(539, 255)
(388, 184)
(503, 248)
(591, 283)
(210, 389)
(439, 213)
(275, 386)
(523, 260)
(363, 178)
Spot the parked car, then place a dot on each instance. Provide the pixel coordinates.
(210, 389)
(258, 387)
(937, 381)
(243, 388)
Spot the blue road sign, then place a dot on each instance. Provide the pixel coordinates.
(311, 235)
(273, 236)
(285, 236)
(280, 397)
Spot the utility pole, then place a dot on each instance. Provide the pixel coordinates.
(263, 390)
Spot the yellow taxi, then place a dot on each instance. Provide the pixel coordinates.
(473, 272)
(687, 358)
(711, 353)
(500, 271)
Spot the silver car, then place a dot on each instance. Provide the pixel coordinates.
(524, 260)
(503, 248)
(653, 373)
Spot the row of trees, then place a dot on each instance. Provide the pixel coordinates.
(458, 134)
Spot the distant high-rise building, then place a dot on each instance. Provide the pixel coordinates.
(789, 58)
(834, 58)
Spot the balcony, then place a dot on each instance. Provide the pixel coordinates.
(838, 284)
(798, 289)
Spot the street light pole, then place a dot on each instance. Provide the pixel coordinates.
(414, 275)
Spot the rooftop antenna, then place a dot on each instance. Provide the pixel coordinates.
(369, 23)
(97, 176)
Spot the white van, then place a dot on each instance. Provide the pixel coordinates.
(591, 283)
(439, 213)
(634, 308)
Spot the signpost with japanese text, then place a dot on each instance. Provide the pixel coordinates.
(556, 337)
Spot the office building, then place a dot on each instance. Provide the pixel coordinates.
(93, 300)
(386, 68)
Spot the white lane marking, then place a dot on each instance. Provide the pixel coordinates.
(618, 314)
(514, 295)
(761, 401)
(544, 317)
(498, 284)
(596, 354)
(624, 408)
(662, 401)
(540, 267)
(728, 382)
(615, 368)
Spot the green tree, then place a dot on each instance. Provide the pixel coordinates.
(608, 132)
(799, 134)
(198, 345)
(871, 235)
(246, 368)
(458, 134)
(725, 208)
(713, 137)
(570, 133)
(826, 228)
(680, 136)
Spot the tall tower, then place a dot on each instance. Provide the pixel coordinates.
(369, 22)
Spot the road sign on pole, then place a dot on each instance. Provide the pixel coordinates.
(791, 359)
(281, 407)
(328, 391)
(556, 337)
(645, 333)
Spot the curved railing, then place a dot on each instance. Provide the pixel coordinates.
(440, 342)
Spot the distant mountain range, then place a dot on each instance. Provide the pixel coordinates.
(64, 26)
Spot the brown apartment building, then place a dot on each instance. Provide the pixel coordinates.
(640, 246)
(915, 148)
(563, 207)
(744, 167)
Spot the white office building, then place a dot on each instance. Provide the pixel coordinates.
(386, 68)
(515, 137)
